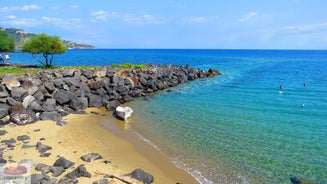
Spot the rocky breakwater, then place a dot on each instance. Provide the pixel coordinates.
(52, 94)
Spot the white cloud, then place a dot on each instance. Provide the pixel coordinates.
(195, 19)
(74, 6)
(248, 16)
(101, 15)
(30, 7)
(142, 19)
(11, 17)
(22, 8)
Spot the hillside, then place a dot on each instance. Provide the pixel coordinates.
(19, 36)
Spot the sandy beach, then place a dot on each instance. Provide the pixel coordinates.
(88, 133)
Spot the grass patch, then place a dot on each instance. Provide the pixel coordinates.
(129, 66)
(17, 70)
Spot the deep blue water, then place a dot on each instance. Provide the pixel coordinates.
(237, 127)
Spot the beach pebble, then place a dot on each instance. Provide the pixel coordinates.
(61, 123)
(80, 171)
(45, 154)
(142, 176)
(9, 141)
(63, 162)
(40, 178)
(3, 132)
(102, 181)
(91, 157)
(23, 138)
(42, 148)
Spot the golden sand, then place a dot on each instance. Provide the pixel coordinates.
(84, 134)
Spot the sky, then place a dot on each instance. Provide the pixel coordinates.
(174, 24)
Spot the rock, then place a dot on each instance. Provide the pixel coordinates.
(45, 169)
(53, 116)
(102, 181)
(4, 121)
(66, 180)
(79, 103)
(9, 141)
(112, 105)
(10, 81)
(95, 101)
(18, 93)
(3, 92)
(31, 86)
(34, 106)
(61, 123)
(63, 96)
(40, 179)
(3, 113)
(23, 117)
(10, 101)
(57, 171)
(100, 73)
(296, 180)
(28, 100)
(3, 132)
(142, 176)
(45, 154)
(49, 86)
(80, 171)
(91, 157)
(62, 162)
(23, 138)
(213, 72)
(42, 148)
(72, 81)
(2, 161)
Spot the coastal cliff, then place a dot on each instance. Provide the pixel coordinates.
(52, 94)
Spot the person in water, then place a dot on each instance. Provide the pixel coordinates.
(281, 87)
(1, 58)
(7, 58)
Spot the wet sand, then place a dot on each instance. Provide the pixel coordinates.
(97, 131)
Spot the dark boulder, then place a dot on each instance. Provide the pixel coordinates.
(21, 116)
(4, 121)
(142, 176)
(80, 171)
(63, 162)
(2, 161)
(72, 81)
(42, 148)
(49, 86)
(111, 106)
(213, 72)
(57, 171)
(53, 116)
(3, 92)
(79, 103)
(63, 96)
(95, 101)
(40, 178)
(18, 93)
(9, 141)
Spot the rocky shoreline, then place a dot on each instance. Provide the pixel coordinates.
(50, 95)
(54, 94)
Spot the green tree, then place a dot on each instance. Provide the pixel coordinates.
(7, 44)
(45, 45)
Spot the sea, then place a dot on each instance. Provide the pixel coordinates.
(263, 120)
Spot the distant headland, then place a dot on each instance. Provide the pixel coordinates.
(19, 36)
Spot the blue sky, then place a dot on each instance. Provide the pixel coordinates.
(206, 24)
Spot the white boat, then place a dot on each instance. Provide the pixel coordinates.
(124, 112)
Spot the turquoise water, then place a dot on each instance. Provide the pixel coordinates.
(237, 127)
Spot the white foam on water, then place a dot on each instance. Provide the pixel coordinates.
(146, 140)
(193, 172)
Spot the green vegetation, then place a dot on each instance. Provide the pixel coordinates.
(17, 70)
(129, 66)
(6, 43)
(45, 45)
